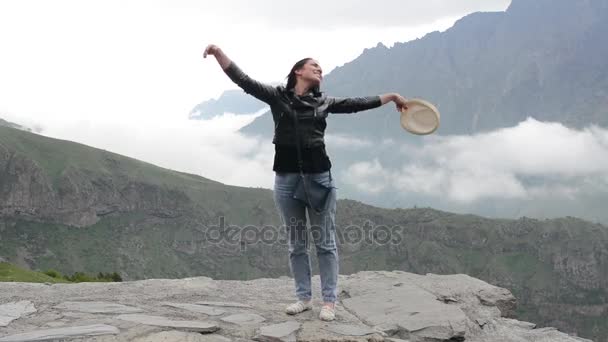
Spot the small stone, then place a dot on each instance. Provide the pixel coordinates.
(244, 318)
(204, 309)
(228, 304)
(285, 332)
(447, 299)
(349, 329)
(13, 310)
(197, 326)
(519, 324)
(55, 334)
(97, 307)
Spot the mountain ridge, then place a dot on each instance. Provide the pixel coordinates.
(490, 70)
(147, 222)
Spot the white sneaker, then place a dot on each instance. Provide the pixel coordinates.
(327, 313)
(298, 307)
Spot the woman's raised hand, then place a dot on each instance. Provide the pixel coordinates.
(211, 49)
(219, 55)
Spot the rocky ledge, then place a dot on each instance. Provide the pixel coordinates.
(374, 306)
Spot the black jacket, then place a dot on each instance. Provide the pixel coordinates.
(311, 109)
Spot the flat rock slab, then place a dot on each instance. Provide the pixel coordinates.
(207, 310)
(285, 332)
(197, 326)
(244, 319)
(227, 304)
(418, 308)
(181, 336)
(349, 329)
(13, 310)
(412, 309)
(98, 307)
(61, 333)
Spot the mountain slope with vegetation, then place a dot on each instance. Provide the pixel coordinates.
(71, 207)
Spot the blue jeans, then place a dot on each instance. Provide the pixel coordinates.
(322, 228)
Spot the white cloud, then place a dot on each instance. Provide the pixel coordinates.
(142, 60)
(210, 148)
(346, 142)
(531, 160)
(534, 160)
(355, 13)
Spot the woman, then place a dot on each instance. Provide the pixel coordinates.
(302, 97)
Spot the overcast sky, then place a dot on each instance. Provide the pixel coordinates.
(134, 60)
(124, 75)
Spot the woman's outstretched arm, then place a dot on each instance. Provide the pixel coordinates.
(356, 104)
(259, 90)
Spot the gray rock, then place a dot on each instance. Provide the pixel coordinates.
(97, 307)
(282, 332)
(228, 304)
(11, 311)
(215, 338)
(413, 310)
(498, 297)
(412, 305)
(60, 333)
(350, 329)
(181, 336)
(207, 310)
(197, 326)
(399, 305)
(503, 329)
(244, 319)
(388, 329)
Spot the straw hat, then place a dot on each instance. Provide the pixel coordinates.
(420, 117)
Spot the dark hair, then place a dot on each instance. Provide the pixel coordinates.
(291, 78)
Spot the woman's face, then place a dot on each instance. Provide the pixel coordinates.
(311, 72)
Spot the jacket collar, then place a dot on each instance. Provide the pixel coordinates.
(311, 93)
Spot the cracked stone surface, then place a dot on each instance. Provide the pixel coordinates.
(11, 311)
(181, 336)
(197, 326)
(350, 329)
(412, 309)
(373, 307)
(228, 304)
(58, 333)
(204, 309)
(97, 307)
(285, 332)
(244, 318)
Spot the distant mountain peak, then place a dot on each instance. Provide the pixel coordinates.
(231, 101)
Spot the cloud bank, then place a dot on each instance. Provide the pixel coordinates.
(355, 13)
(531, 160)
(563, 171)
